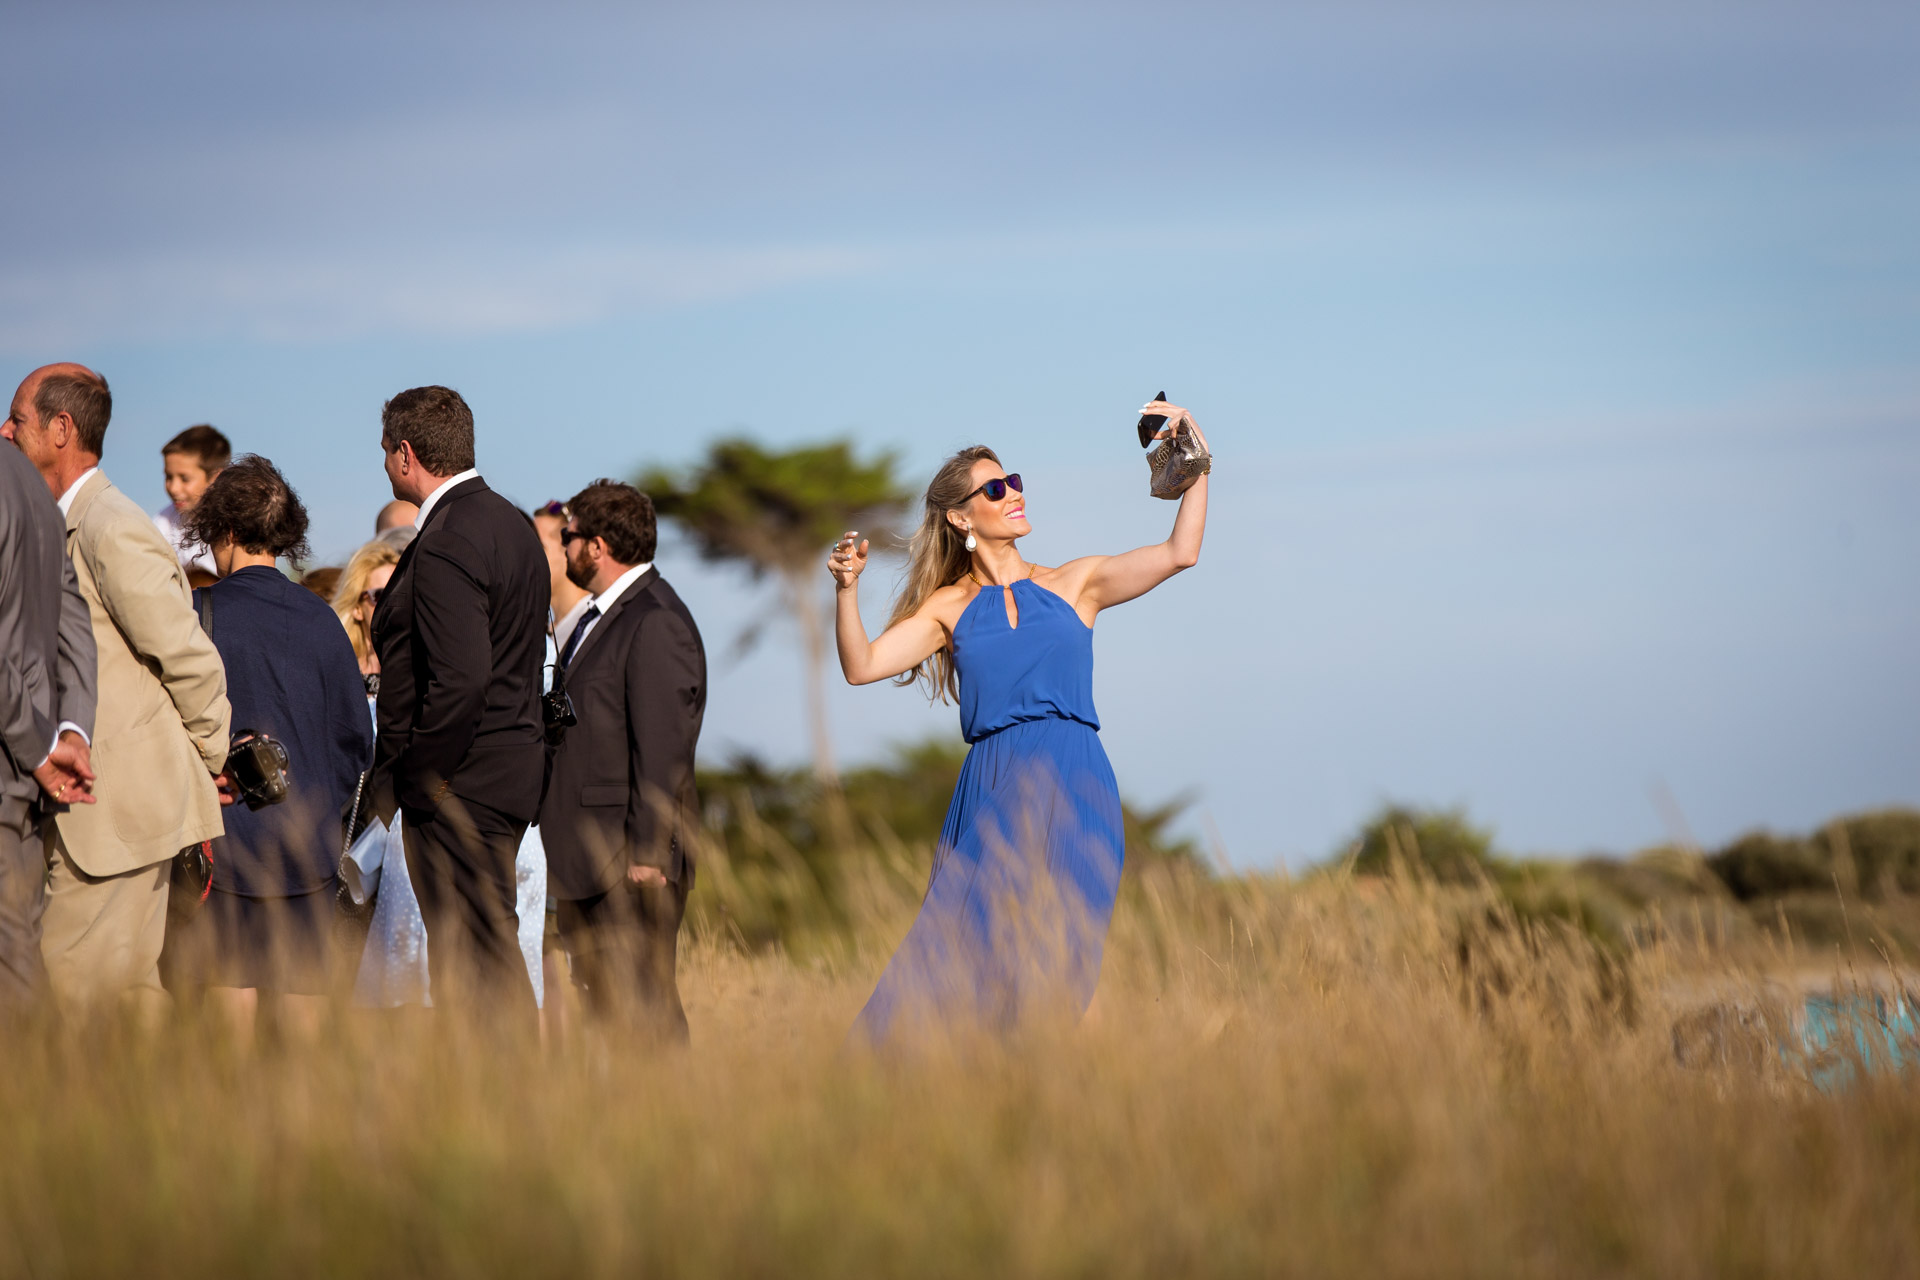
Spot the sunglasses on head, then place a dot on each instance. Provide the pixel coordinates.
(996, 488)
(552, 509)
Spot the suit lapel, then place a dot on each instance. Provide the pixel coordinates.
(605, 620)
(83, 500)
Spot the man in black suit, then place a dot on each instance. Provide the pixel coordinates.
(620, 810)
(460, 632)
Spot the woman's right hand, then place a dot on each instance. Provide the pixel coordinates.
(848, 560)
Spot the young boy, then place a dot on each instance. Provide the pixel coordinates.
(191, 460)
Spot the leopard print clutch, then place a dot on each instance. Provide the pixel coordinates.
(1177, 463)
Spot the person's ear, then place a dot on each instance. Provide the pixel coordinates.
(953, 518)
(60, 429)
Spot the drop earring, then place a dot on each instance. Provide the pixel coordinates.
(971, 544)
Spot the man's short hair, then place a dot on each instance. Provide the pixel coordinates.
(251, 503)
(436, 422)
(619, 513)
(84, 397)
(203, 442)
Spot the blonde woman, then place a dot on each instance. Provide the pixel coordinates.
(361, 583)
(1029, 859)
(393, 968)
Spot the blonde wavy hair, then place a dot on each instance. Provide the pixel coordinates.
(352, 584)
(937, 557)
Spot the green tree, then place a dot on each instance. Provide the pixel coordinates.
(777, 512)
(1440, 843)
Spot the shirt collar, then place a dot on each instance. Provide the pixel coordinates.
(73, 490)
(426, 508)
(611, 596)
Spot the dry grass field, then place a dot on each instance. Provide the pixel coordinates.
(1320, 1078)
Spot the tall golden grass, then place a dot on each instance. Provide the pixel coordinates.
(1316, 1078)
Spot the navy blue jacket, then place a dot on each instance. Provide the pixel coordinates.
(291, 673)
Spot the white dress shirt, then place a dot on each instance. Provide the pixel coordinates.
(605, 601)
(426, 508)
(563, 627)
(73, 490)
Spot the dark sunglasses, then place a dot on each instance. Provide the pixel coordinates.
(996, 488)
(374, 593)
(569, 536)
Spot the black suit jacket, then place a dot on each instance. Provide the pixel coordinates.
(621, 788)
(461, 634)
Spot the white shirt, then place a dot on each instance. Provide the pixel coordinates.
(563, 627)
(73, 490)
(605, 601)
(426, 508)
(66, 507)
(190, 554)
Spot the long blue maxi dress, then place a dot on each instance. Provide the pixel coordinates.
(1029, 859)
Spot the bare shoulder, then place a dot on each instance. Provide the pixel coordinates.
(947, 603)
(1069, 579)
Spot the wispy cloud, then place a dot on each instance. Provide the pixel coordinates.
(286, 294)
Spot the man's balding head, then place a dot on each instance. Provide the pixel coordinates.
(397, 514)
(74, 392)
(59, 420)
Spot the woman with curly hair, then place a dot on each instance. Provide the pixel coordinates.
(291, 675)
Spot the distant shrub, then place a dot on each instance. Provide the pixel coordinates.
(1439, 843)
(1884, 848)
(1654, 875)
(1763, 865)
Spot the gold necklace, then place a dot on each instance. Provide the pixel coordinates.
(1031, 570)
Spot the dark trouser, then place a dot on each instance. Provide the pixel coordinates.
(622, 946)
(23, 897)
(460, 860)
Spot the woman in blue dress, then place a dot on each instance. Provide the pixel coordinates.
(1028, 864)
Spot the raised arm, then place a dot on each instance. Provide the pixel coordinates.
(1117, 579)
(900, 648)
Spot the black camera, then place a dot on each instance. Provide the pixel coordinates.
(556, 709)
(258, 766)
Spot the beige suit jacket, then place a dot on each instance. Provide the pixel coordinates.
(161, 730)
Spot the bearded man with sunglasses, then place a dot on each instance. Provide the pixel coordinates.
(620, 810)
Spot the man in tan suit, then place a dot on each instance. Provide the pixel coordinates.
(160, 731)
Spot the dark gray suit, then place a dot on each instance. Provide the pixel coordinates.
(47, 677)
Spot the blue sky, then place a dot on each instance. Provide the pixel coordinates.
(1560, 362)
